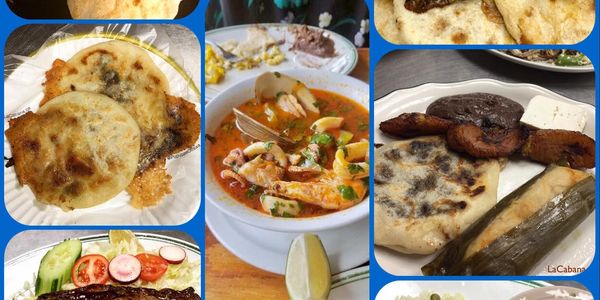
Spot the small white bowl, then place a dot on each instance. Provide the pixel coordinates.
(554, 292)
(222, 105)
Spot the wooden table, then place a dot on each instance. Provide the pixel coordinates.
(227, 276)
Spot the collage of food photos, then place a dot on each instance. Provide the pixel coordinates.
(300, 149)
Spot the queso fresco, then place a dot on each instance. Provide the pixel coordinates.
(325, 171)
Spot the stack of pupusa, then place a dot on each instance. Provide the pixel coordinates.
(123, 9)
(125, 75)
(485, 21)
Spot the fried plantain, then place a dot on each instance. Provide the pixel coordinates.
(553, 145)
(409, 125)
(473, 140)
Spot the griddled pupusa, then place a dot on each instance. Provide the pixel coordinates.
(77, 151)
(425, 194)
(126, 73)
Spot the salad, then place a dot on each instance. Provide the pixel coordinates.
(120, 261)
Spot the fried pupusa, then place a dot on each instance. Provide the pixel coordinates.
(126, 73)
(123, 9)
(78, 151)
(426, 194)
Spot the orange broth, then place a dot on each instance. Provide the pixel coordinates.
(228, 137)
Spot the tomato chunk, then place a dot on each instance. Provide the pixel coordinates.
(90, 269)
(153, 266)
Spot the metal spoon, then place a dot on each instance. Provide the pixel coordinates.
(260, 132)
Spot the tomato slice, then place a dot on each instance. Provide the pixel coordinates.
(153, 266)
(90, 269)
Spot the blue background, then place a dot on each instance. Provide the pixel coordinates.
(379, 47)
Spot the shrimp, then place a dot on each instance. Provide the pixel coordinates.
(327, 191)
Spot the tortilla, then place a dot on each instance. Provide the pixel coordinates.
(548, 22)
(123, 9)
(426, 195)
(463, 22)
(78, 151)
(385, 21)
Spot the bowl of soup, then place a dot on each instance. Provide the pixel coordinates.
(317, 181)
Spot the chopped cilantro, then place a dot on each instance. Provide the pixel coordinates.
(228, 127)
(269, 145)
(252, 191)
(347, 192)
(277, 74)
(362, 126)
(308, 154)
(274, 212)
(322, 139)
(343, 148)
(321, 104)
(287, 215)
(355, 169)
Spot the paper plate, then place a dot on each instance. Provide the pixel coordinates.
(23, 92)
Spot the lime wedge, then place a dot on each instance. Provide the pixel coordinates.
(117, 236)
(307, 274)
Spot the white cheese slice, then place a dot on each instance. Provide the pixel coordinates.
(546, 113)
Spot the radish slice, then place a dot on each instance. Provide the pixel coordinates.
(125, 268)
(174, 255)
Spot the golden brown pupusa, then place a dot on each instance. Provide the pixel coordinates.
(123, 9)
(126, 73)
(78, 151)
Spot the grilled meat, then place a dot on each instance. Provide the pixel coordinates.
(104, 292)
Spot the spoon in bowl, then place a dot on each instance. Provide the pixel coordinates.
(260, 132)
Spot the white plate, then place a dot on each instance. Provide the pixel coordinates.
(543, 65)
(344, 62)
(576, 250)
(350, 285)
(23, 91)
(222, 105)
(554, 292)
(471, 290)
(347, 247)
(23, 268)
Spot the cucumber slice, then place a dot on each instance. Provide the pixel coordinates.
(56, 265)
